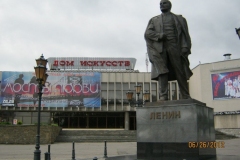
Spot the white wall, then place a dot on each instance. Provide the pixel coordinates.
(227, 121)
(201, 84)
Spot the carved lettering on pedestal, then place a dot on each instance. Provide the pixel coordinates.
(165, 115)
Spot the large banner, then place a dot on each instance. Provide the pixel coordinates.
(62, 89)
(226, 85)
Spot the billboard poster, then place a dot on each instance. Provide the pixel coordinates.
(62, 89)
(226, 85)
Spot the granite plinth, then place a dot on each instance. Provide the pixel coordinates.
(168, 129)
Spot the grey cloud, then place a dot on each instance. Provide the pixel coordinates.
(108, 28)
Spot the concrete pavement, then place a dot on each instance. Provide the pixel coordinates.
(63, 151)
(87, 151)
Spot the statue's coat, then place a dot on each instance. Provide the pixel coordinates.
(152, 35)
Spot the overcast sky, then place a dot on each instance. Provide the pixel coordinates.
(109, 28)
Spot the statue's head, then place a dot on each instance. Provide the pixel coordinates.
(165, 5)
(20, 75)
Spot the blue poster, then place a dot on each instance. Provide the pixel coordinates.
(62, 89)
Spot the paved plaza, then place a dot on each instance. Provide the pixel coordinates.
(63, 151)
(87, 151)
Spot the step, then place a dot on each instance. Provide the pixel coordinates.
(96, 136)
(94, 139)
(220, 135)
(96, 132)
(110, 136)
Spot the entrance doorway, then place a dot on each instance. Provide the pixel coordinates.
(89, 119)
(132, 121)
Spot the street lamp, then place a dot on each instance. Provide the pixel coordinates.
(238, 32)
(139, 103)
(146, 96)
(40, 71)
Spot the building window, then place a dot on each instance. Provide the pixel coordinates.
(174, 90)
(154, 91)
(146, 87)
(118, 94)
(111, 94)
(125, 90)
(104, 94)
(6, 117)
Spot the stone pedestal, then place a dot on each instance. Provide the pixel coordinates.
(182, 129)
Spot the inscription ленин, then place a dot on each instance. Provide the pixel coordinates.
(165, 115)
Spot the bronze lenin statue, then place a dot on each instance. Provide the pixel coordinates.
(168, 46)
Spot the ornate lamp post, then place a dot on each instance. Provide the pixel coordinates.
(146, 96)
(238, 32)
(40, 71)
(139, 103)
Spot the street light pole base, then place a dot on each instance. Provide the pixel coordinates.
(37, 155)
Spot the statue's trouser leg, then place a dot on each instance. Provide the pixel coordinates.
(183, 86)
(174, 55)
(163, 86)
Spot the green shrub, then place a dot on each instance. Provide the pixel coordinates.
(5, 123)
(19, 122)
(54, 124)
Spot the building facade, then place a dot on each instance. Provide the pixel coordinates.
(92, 97)
(91, 93)
(218, 85)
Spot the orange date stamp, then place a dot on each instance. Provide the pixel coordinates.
(219, 144)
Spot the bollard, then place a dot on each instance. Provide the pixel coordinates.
(73, 151)
(47, 155)
(95, 158)
(105, 150)
(49, 158)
